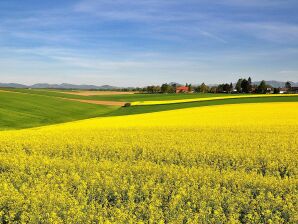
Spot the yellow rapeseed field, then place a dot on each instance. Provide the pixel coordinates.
(218, 164)
(157, 102)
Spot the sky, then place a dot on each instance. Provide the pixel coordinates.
(147, 42)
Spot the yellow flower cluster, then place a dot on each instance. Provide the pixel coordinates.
(157, 102)
(219, 164)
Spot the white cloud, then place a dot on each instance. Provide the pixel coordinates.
(141, 41)
(272, 31)
(137, 11)
(257, 3)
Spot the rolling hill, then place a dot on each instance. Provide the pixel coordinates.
(18, 110)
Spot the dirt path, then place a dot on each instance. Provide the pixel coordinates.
(108, 103)
(5, 91)
(98, 102)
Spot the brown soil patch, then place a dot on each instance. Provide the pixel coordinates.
(108, 103)
(98, 102)
(6, 91)
(97, 93)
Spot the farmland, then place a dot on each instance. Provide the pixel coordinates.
(25, 110)
(149, 112)
(211, 98)
(116, 97)
(165, 107)
(164, 167)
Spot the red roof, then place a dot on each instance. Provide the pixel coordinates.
(182, 88)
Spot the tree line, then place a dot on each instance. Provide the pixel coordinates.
(243, 85)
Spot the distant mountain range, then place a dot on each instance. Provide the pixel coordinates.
(276, 84)
(273, 83)
(58, 86)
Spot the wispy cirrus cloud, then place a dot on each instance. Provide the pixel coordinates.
(208, 23)
(149, 39)
(271, 31)
(258, 3)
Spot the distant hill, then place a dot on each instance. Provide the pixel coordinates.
(273, 83)
(58, 86)
(12, 85)
(276, 84)
(175, 84)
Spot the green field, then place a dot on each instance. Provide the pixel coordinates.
(165, 107)
(121, 98)
(25, 110)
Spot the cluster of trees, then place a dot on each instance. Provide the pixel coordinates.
(288, 85)
(226, 88)
(246, 86)
(171, 88)
(243, 85)
(203, 88)
(164, 88)
(263, 87)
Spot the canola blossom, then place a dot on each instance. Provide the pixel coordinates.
(219, 164)
(158, 102)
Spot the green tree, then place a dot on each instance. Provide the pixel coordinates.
(288, 85)
(213, 89)
(238, 86)
(249, 85)
(153, 89)
(156, 89)
(231, 87)
(225, 88)
(245, 86)
(204, 88)
(262, 87)
(249, 81)
(196, 89)
(165, 88)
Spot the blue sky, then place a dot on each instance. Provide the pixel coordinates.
(136, 43)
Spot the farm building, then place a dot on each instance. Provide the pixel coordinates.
(269, 90)
(283, 90)
(294, 90)
(182, 89)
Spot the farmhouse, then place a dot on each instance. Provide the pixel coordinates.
(283, 90)
(182, 89)
(269, 90)
(294, 90)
